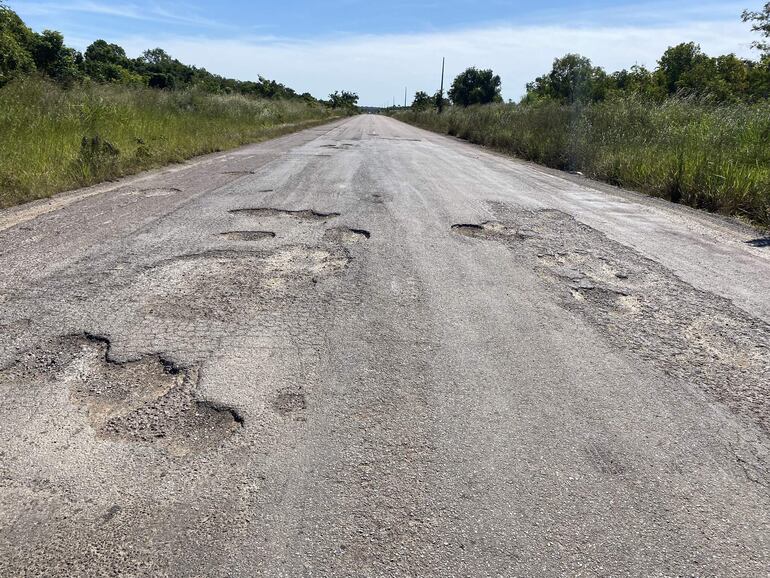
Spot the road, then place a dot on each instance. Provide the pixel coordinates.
(369, 350)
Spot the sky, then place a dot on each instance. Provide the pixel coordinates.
(377, 48)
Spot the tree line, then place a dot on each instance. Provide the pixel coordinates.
(683, 70)
(24, 52)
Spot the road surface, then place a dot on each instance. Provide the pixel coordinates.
(368, 350)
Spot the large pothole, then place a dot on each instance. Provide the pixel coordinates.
(148, 400)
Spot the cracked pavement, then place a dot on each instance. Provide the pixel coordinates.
(368, 350)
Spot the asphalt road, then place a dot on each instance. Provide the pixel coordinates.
(369, 350)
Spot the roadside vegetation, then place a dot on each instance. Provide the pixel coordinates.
(69, 119)
(55, 139)
(696, 130)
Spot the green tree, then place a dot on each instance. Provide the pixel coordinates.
(677, 63)
(572, 79)
(422, 101)
(475, 86)
(439, 100)
(16, 41)
(55, 59)
(106, 62)
(758, 79)
(636, 80)
(760, 20)
(157, 57)
(345, 99)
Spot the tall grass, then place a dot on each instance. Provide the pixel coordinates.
(53, 139)
(707, 156)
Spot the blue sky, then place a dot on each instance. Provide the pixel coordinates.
(376, 48)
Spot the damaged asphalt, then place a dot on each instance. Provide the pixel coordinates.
(368, 350)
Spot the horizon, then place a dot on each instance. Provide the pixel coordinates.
(320, 49)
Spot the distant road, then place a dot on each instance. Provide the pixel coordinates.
(369, 350)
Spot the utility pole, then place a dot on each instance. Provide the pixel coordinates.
(441, 92)
(405, 96)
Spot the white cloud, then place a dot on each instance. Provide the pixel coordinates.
(378, 67)
(152, 13)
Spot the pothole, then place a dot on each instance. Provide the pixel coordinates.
(239, 173)
(346, 235)
(488, 229)
(149, 400)
(247, 235)
(289, 402)
(229, 285)
(303, 214)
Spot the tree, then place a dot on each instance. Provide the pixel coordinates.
(760, 23)
(55, 59)
(101, 51)
(16, 41)
(636, 80)
(572, 79)
(343, 100)
(105, 62)
(157, 57)
(422, 101)
(439, 101)
(161, 80)
(475, 86)
(677, 62)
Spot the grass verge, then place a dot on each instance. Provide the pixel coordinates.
(710, 157)
(55, 140)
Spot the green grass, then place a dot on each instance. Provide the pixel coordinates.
(55, 139)
(710, 157)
